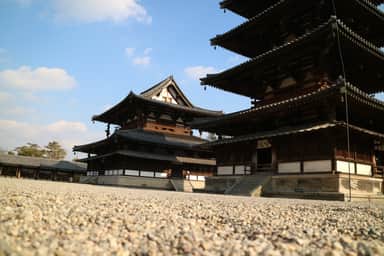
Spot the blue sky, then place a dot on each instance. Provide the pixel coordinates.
(62, 61)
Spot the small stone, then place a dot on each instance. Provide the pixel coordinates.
(363, 250)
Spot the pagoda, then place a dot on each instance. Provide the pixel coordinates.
(314, 127)
(152, 139)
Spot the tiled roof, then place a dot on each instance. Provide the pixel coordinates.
(42, 163)
(367, 5)
(330, 25)
(127, 104)
(352, 91)
(147, 137)
(157, 157)
(285, 131)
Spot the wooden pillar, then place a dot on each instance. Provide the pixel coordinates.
(254, 161)
(374, 165)
(18, 173)
(274, 158)
(334, 166)
(54, 175)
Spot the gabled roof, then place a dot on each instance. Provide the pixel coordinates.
(169, 82)
(232, 79)
(119, 113)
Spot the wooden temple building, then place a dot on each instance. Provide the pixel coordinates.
(152, 145)
(38, 168)
(314, 128)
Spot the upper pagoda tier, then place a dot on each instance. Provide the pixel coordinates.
(250, 8)
(286, 20)
(303, 62)
(165, 98)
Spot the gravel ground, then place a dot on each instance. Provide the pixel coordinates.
(49, 218)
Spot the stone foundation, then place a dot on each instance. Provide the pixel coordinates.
(326, 186)
(136, 182)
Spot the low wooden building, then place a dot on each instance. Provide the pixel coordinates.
(314, 127)
(41, 168)
(152, 140)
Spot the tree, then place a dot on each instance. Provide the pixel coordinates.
(30, 149)
(55, 151)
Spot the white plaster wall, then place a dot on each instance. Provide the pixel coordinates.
(132, 172)
(364, 169)
(161, 175)
(225, 170)
(318, 166)
(292, 167)
(147, 174)
(239, 169)
(342, 166)
(201, 178)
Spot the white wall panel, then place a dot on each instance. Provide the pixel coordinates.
(318, 166)
(147, 174)
(292, 167)
(342, 166)
(364, 169)
(161, 175)
(132, 172)
(239, 169)
(225, 170)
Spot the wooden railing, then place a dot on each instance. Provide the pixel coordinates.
(354, 157)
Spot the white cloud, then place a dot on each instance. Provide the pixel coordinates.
(147, 51)
(63, 126)
(100, 10)
(198, 72)
(67, 133)
(41, 78)
(129, 51)
(142, 61)
(5, 97)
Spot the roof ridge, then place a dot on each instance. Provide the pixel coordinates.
(157, 85)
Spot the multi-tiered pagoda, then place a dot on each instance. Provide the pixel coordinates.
(152, 140)
(314, 126)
